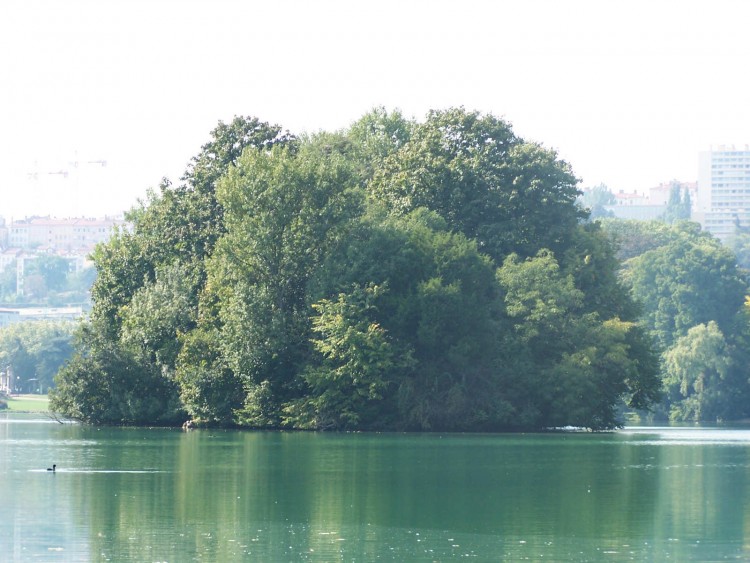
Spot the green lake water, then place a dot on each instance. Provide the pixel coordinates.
(643, 494)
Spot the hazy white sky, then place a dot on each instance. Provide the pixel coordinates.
(628, 92)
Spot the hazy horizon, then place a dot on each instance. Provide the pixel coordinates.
(627, 92)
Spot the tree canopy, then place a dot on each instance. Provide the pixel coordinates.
(693, 300)
(397, 275)
(34, 351)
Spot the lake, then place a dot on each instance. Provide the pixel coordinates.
(121, 494)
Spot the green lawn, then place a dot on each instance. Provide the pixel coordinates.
(28, 403)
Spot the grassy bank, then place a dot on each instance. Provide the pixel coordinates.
(28, 403)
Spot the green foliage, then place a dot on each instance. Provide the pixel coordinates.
(696, 369)
(575, 367)
(158, 312)
(184, 222)
(179, 224)
(284, 209)
(35, 351)
(595, 199)
(53, 271)
(151, 277)
(608, 363)
(591, 258)
(107, 383)
(435, 313)
(691, 294)
(508, 194)
(739, 242)
(395, 275)
(633, 238)
(537, 296)
(8, 282)
(122, 269)
(357, 363)
(44, 277)
(678, 206)
(228, 142)
(48, 280)
(691, 280)
(209, 390)
(374, 137)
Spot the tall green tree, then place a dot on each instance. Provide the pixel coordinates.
(150, 278)
(210, 391)
(375, 137)
(571, 367)
(691, 280)
(358, 362)
(179, 223)
(678, 205)
(508, 194)
(283, 209)
(697, 369)
(185, 221)
(437, 312)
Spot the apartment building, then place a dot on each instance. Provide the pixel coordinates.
(723, 199)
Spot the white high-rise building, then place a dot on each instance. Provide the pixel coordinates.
(723, 200)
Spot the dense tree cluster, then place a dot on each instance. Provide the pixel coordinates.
(434, 275)
(48, 280)
(34, 351)
(693, 298)
(595, 199)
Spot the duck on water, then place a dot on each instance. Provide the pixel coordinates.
(52, 468)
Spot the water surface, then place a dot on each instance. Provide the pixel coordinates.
(644, 494)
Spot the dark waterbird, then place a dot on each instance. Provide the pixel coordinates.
(52, 468)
